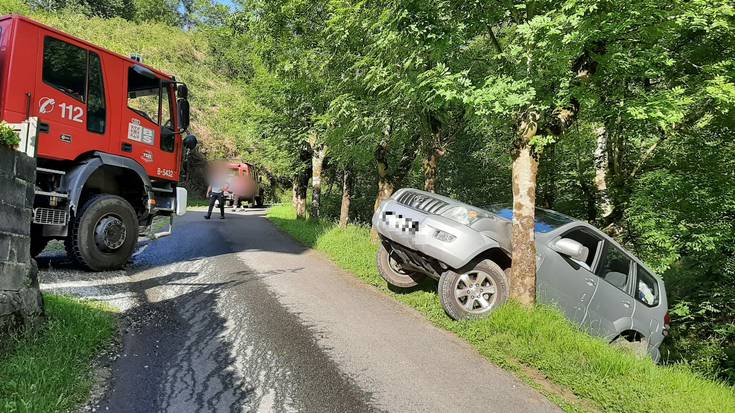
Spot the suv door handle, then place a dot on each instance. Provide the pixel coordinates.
(590, 281)
(625, 303)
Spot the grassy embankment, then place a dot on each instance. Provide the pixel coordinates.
(539, 345)
(49, 369)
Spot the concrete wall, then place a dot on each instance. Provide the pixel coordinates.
(20, 297)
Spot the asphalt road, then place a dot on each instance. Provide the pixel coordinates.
(233, 315)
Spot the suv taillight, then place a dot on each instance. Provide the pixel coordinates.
(667, 324)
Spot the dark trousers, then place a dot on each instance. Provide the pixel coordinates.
(216, 196)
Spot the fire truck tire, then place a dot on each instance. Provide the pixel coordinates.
(69, 248)
(104, 233)
(259, 202)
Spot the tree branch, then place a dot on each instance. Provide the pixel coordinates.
(495, 41)
(647, 156)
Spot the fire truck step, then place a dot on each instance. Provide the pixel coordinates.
(50, 171)
(49, 216)
(56, 194)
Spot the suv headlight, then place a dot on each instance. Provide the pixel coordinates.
(463, 215)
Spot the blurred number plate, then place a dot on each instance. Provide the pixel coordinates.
(398, 221)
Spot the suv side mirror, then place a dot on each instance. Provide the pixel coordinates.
(571, 248)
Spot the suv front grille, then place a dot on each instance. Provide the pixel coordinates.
(421, 202)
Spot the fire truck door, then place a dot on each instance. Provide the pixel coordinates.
(69, 100)
(150, 118)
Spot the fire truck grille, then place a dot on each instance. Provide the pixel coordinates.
(49, 216)
(421, 202)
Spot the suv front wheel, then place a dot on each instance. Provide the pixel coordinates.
(392, 272)
(473, 291)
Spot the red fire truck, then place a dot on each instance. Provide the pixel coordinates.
(244, 184)
(107, 133)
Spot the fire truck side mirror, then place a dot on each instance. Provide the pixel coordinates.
(182, 93)
(190, 142)
(183, 114)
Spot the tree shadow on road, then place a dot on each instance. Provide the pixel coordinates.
(193, 239)
(226, 345)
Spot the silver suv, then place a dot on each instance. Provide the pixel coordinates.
(593, 280)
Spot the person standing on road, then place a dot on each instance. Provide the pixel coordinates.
(238, 189)
(216, 191)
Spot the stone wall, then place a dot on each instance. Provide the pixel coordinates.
(20, 297)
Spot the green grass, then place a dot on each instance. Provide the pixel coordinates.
(534, 343)
(197, 203)
(49, 369)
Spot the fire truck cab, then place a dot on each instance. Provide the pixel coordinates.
(109, 140)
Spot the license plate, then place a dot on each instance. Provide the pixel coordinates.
(398, 221)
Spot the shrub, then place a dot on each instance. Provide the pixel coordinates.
(8, 137)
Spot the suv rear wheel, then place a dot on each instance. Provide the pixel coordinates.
(391, 271)
(104, 233)
(474, 291)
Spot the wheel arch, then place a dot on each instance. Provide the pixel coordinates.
(630, 335)
(108, 174)
(496, 255)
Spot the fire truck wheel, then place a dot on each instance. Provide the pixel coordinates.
(104, 233)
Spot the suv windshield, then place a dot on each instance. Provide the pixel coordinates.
(546, 220)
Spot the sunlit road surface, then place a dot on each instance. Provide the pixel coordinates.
(233, 315)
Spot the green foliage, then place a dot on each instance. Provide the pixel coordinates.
(49, 369)
(97, 8)
(602, 377)
(8, 137)
(14, 6)
(164, 11)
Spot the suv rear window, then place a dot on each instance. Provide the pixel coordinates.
(646, 288)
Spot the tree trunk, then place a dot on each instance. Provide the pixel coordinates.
(301, 202)
(385, 186)
(601, 161)
(387, 182)
(437, 146)
(294, 191)
(302, 182)
(431, 167)
(547, 177)
(525, 170)
(344, 211)
(317, 162)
